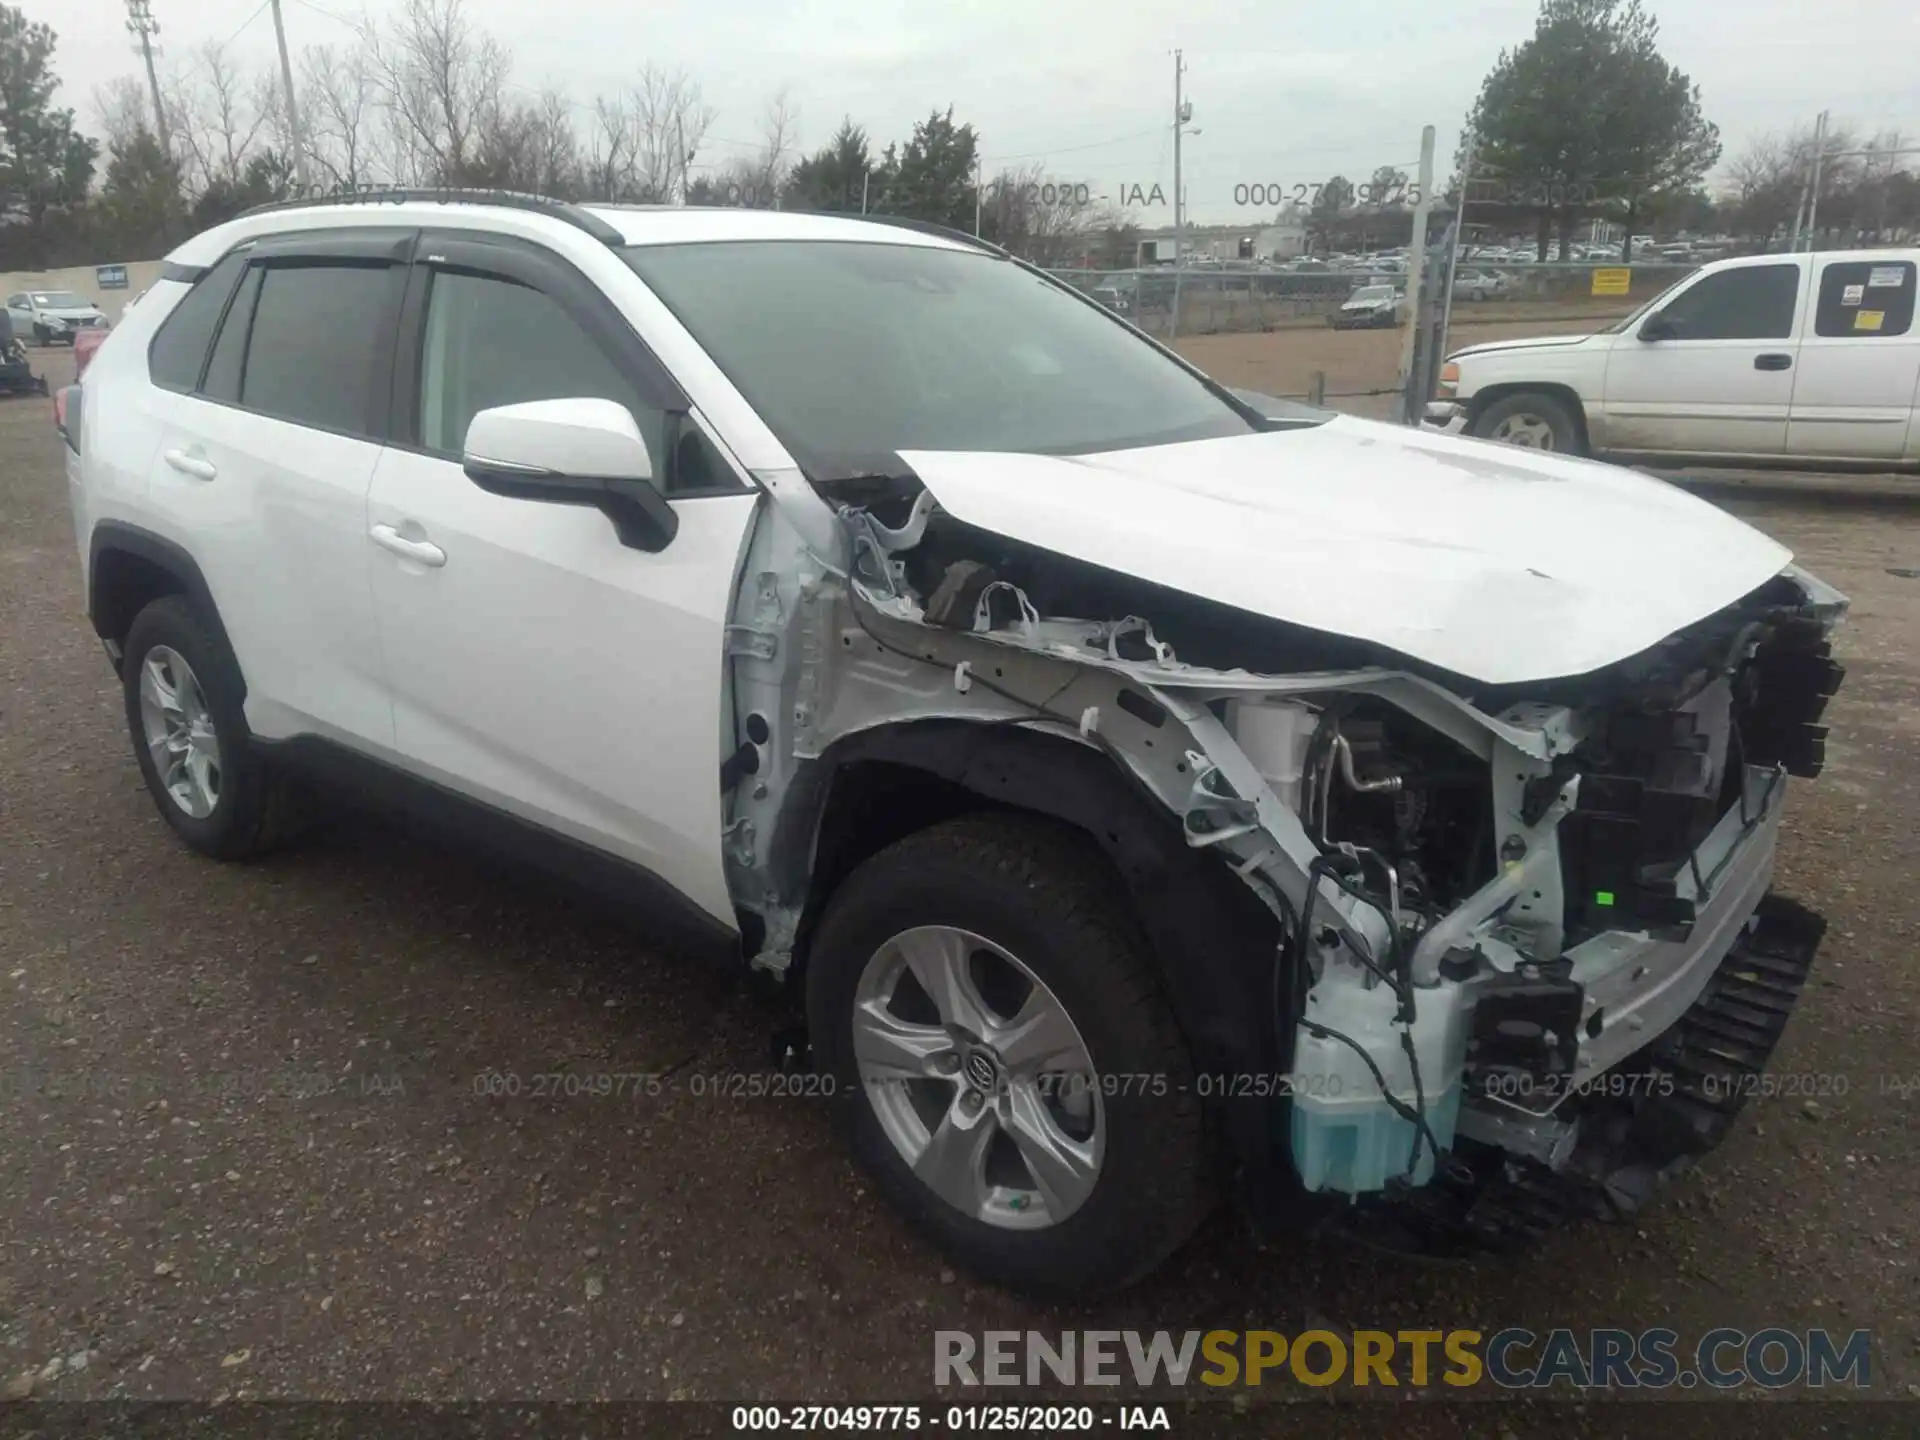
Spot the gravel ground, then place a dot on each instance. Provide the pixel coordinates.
(242, 1153)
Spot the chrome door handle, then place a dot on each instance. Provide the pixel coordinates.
(193, 465)
(423, 552)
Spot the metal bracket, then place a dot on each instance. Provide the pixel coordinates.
(752, 642)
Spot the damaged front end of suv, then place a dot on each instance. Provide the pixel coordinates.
(1467, 933)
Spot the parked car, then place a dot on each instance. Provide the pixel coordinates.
(1479, 285)
(1154, 791)
(1812, 359)
(52, 315)
(1117, 298)
(1369, 306)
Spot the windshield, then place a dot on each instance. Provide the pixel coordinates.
(58, 300)
(1372, 292)
(852, 351)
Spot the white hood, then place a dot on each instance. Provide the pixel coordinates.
(1482, 559)
(1532, 342)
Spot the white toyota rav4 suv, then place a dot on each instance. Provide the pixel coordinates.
(1154, 790)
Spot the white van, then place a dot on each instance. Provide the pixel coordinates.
(1812, 359)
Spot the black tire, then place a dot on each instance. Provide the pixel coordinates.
(1048, 896)
(1567, 437)
(40, 335)
(256, 810)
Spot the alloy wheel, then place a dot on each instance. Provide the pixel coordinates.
(1525, 429)
(179, 732)
(979, 1077)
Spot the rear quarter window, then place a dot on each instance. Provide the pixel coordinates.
(179, 349)
(1866, 299)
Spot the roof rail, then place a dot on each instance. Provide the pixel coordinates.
(572, 215)
(925, 227)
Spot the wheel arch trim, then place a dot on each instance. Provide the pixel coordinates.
(1213, 942)
(111, 536)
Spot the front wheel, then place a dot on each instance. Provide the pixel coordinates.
(1008, 1071)
(1531, 420)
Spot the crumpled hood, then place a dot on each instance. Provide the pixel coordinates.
(1485, 560)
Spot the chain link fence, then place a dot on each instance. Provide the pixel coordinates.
(1217, 299)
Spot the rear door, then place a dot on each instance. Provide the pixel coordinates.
(263, 469)
(1859, 362)
(1723, 384)
(536, 663)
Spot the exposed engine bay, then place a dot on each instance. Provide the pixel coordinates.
(1499, 904)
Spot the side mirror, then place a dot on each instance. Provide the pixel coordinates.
(572, 452)
(1658, 327)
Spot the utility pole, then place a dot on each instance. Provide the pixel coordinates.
(1416, 274)
(1453, 258)
(1806, 185)
(680, 154)
(1813, 193)
(1182, 112)
(865, 181)
(299, 136)
(141, 22)
(978, 171)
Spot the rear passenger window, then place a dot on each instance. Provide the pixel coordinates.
(1866, 298)
(310, 351)
(179, 350)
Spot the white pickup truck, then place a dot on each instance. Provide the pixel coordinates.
(1808, 359)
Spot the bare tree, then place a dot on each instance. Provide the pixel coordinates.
(338, 99)
(645, 140)
(528, 147)
(1043, 219)
(755, 181)
(765, 174)
(124, 110)
(557, 170)
(609, 157)
(438, 79)
(216, 119)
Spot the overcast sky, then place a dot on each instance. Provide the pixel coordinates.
(1282, 94)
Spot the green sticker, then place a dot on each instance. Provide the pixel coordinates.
(1603, 897)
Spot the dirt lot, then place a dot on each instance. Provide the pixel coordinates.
(242, 1152)
(1282, 362)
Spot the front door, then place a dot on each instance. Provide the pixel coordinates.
(535, 662)
(1721, 381)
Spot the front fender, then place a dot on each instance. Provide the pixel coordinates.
(1215, 942)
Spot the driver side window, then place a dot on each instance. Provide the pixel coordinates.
(1755, 302)
(493, 342)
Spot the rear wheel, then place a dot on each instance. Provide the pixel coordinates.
(1531, 420)
(183, 698)
(1007, 1069)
